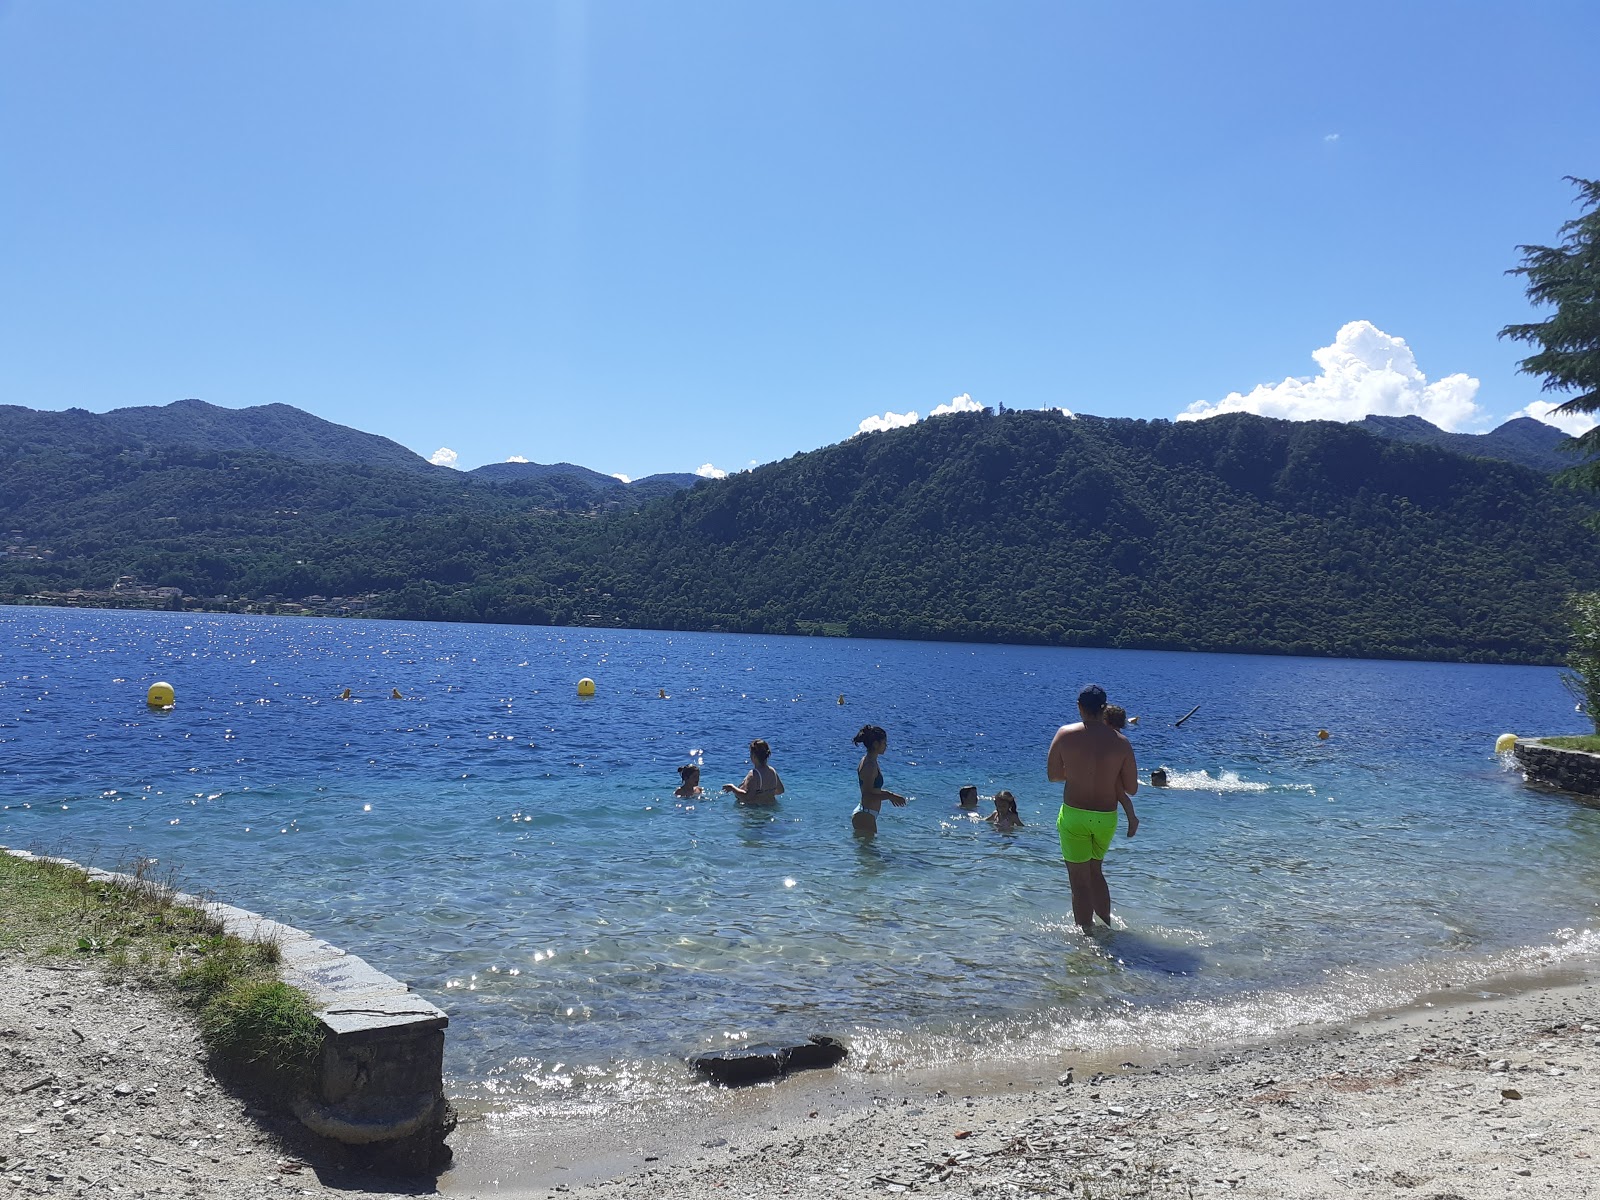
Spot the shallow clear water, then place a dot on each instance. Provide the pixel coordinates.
(516, 854)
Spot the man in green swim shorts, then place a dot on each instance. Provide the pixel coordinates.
(1094, 763)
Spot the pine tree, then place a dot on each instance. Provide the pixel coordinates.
(1567, 277)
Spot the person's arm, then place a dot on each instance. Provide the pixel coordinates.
(777, 783)
(869, 792)
(1133, 817)
(1056, 764)
(744, 789)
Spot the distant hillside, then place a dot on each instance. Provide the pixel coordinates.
(273, 428)
(1235, 533)
(287, 432)
(603, 487)
(1522, 440)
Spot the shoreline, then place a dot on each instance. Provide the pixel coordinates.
(1397, 1079)
(1465, 659)
(106, 1081)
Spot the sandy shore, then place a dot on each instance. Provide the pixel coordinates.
(1475, 1096)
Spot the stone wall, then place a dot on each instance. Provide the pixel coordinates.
(380, 1089)
(1575, 771)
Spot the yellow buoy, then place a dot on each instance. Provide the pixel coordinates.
(394, 694)
(1323, 734)
(1505, 743)
(586, 686)
(160, 695)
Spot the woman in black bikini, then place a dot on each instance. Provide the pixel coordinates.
(864, 819)
(762, 785)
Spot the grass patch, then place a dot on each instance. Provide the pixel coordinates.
(1587, 741)
(254, 1026)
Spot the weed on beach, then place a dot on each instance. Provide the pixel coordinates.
(255, 1026)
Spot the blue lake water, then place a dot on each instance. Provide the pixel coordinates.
(515, 852)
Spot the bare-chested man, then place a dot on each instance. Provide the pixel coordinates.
(1095, 763)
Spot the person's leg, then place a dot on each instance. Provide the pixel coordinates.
(1081, 876)
(1102, 893)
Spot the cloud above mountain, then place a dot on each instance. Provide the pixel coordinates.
(893, 420)
(1365, 372)
(707, 471)
(443, 457)
(1571, 424)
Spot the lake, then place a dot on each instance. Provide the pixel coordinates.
(515, 851)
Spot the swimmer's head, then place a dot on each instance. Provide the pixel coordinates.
(689, 773)
(1158, 777)
(760, 751)
(969, 796)
(1116, 716)
(871, 736)
(1091, 699)
(1005, 802)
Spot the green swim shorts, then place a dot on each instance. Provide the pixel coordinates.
(1084, 834)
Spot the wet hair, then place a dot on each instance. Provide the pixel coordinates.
(968, 790)
(869, 736)
(1005, 802)
(1116, 716)
(760, 751)
(686, 770)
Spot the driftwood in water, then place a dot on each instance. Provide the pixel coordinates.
(1186, 716)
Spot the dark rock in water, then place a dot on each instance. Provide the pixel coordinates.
(768, 1060)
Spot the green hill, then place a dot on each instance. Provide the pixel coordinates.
(1236, 533)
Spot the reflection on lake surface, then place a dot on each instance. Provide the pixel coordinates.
(516, 853)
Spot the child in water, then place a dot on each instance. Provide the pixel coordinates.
(761, 786)
(968, 797)
(689, 773)
(1116, 716)
(1005, 817)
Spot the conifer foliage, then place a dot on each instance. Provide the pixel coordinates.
(1567, 277)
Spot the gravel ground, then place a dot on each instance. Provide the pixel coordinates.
(1489, 1099)
(104, 1092)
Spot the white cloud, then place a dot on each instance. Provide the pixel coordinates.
(615, 475)
(958, 404)
(516, 458)
(1571, 424)
(1365, 372)
(444, 457)
(893, 420)
(1065, 412)
(1330, 137)
(889, 420)
(707, 471)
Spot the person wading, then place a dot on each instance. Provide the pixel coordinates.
(1094, 763)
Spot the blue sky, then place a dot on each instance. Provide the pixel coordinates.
(649, 236)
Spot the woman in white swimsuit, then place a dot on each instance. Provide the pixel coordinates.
(762, 785)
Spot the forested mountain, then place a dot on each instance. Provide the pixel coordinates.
(1235, 533)
(287, 432)
(1521, 440)
(274, 428)
(578, 479)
